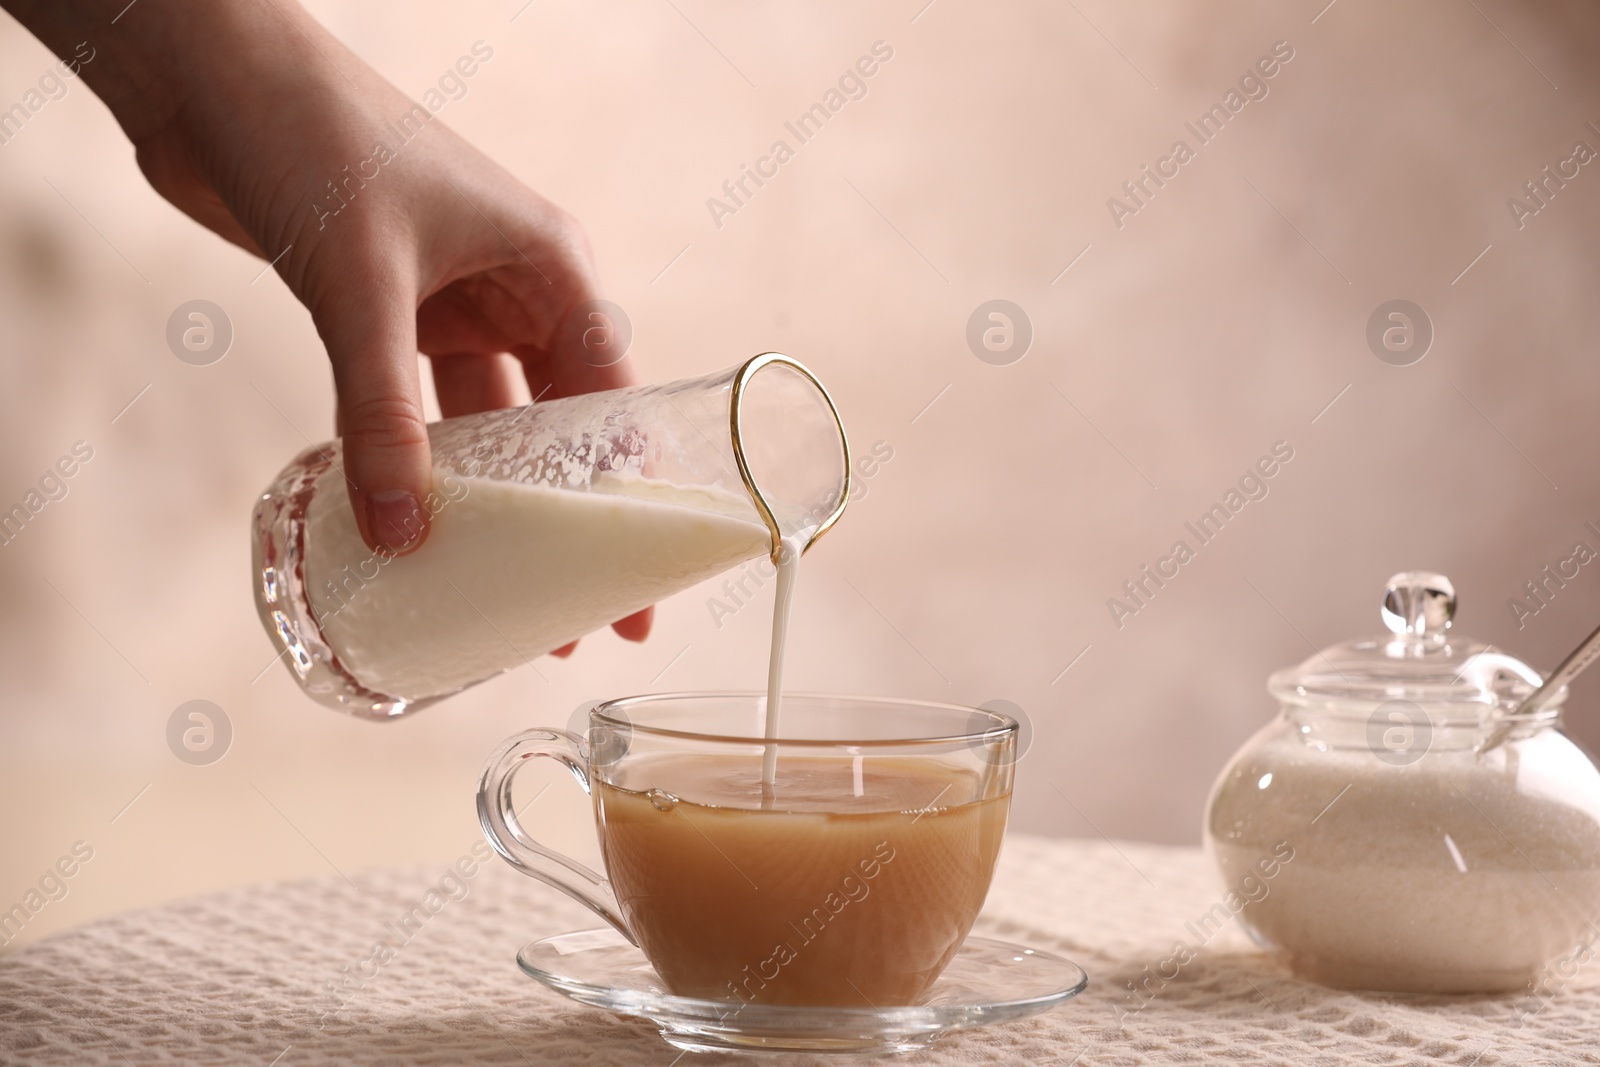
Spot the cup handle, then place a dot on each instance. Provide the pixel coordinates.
(499, 820)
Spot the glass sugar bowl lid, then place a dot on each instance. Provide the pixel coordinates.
(1418, 672)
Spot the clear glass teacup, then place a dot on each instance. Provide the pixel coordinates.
(849, 880)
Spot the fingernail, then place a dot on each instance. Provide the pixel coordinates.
(396, 521)
(636, 627)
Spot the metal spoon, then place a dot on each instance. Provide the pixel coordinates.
(1575, 664)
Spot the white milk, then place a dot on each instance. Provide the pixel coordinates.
(509, 572)
(782, 605)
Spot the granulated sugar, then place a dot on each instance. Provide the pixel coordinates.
(1456, 873)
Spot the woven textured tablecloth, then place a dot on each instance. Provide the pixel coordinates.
(243, 977)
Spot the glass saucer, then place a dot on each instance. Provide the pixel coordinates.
(987, 982)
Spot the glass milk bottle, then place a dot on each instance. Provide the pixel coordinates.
(548, 521)
(1401, 825)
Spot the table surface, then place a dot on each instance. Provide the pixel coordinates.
(244, 977)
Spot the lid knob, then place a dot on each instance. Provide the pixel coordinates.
(1420, 604)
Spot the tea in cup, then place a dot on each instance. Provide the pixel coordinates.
(850, 879)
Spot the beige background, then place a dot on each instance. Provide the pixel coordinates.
(1223, 317)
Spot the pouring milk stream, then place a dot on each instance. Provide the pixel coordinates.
(547, 522)
(789, 551)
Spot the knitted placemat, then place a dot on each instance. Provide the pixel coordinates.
(377, 971)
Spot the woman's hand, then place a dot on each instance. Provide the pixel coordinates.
(397, 235)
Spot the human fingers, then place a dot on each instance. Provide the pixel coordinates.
(472, 382)
(635, 627)
(367, 321)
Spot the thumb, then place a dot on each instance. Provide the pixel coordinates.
(371, 335)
